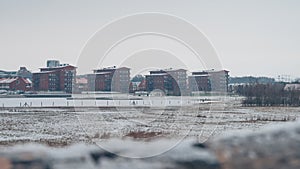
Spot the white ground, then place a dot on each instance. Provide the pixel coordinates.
(59, 127)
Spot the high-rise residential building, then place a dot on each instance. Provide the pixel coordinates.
(199, 81)
(209, 80)
(110, 79)
(55, 77)
(219, 80)
(171, 81)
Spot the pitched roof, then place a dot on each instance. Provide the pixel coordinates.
(28, 81)
(81, 80)
(7, 80)
(12, 79)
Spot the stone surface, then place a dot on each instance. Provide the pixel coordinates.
(184, 156)
(276, 147)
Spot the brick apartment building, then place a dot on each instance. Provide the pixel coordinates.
(210, 80)
(199, 81)
(55, 77)
(171, 82)
(15, 84)
(110, 79)
(219, 80)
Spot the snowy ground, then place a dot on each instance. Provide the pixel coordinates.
(65, 126)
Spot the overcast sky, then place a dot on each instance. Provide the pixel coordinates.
(254, 37)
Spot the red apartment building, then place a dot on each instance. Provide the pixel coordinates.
(219, 80)
(210, 80)
(171, 82)
(199, 81)
(110, 79)
(55, 77)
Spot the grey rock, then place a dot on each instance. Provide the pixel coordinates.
(184, 156)
(274, 147)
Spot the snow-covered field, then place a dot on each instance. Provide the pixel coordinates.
(65, 126)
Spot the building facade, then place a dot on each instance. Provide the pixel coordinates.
(23, 72)
(137, 86)
(81, 84)
(110, 79)
(210, 80)
(7, 74)
(171, 82)
(199, 81)
(15, 84)
(219, 80)
(55, 78)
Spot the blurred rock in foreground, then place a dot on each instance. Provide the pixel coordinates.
(272, 148)
(276, 147)
(186, 155)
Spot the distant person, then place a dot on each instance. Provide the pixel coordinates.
(26, 105)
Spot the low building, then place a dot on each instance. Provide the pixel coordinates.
(292, 87)
(137, 86)
(134, 86)
(110, 79)
(15, 84)
(55, 78)
(171, 82)
(142, 85)
(81, 84)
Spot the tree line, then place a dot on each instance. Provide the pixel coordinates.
(268, 95)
